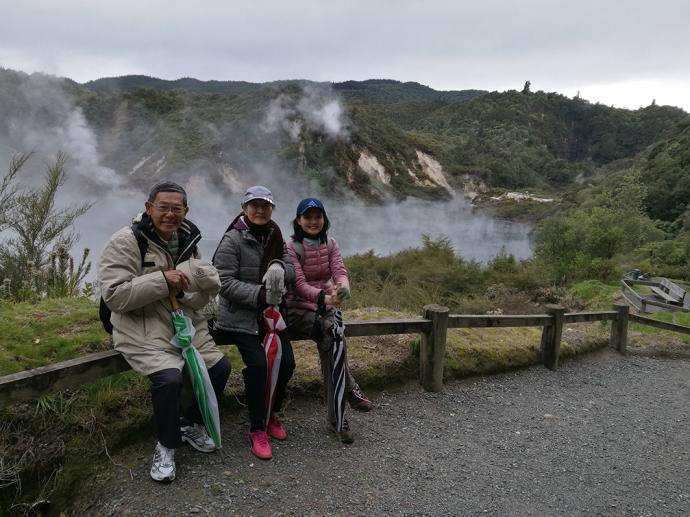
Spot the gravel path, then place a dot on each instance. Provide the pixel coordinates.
(605, 435)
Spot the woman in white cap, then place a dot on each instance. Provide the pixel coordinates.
(321, 283)
(253, 265)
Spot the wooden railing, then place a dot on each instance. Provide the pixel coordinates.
(673, 296)
(433, 328)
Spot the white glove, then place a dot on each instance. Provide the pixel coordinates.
(274, 280)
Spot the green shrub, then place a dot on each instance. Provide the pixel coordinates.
(28, 269)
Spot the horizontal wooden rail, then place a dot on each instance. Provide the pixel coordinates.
(385, 327)
(485, 321)
(630, 281)
(30, 384)
(582, 317)
(660, 324)
(668, 306)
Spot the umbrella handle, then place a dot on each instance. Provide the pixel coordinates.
(173, 303)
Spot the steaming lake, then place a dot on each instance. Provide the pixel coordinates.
(384, 229)
(391, 228)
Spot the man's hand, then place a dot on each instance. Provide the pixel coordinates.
(177, 281)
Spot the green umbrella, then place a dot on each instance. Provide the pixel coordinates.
(203, 389)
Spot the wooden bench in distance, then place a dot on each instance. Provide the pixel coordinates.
(672, 288)
(664, 295)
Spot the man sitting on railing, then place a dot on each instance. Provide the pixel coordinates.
(140, 271)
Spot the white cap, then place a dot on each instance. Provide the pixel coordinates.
(203, 276)
(257, 192)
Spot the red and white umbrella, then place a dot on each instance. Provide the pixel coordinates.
(273, 348)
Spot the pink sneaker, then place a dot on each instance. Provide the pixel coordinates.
(275, 428)
(260, 446)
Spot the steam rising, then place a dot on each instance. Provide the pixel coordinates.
(52, 122)
(317, 109)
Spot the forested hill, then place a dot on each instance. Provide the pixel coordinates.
(666, 172)
(376, 139)
(373, 89)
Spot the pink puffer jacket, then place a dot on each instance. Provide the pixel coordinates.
(317, 272)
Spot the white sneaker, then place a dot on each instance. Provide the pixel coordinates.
(197, 437)
(163, 467)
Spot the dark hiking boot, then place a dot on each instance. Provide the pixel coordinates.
(346, 435)
(358, 400)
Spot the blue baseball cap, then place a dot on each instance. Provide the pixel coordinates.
(306, 204)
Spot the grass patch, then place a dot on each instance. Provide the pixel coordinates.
(488, 351)
(664, 342)
(599, 296)
(48, 446)
(596, 295)
(50, 331)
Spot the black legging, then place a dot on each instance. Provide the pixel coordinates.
(255, 370)
(166, 386)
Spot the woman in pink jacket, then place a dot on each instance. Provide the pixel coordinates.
(321, 283)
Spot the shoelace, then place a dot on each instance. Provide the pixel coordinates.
(357, 392)
(261, 438)
(163, 457)
(196, 433)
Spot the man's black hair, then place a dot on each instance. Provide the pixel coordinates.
(299, 234)
(167, 186)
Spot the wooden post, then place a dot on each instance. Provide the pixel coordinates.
(433, 348)
(619, 328)
(551, 337)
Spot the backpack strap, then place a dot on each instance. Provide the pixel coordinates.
(298, 246)
(104, 311)
(142, 242)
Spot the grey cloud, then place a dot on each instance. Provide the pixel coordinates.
(558, 45)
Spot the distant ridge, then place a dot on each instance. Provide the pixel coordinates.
(372, 89)
(134, 82)
(395, 91)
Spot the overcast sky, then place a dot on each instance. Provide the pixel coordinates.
(622, 53)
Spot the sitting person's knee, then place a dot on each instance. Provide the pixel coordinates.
(288, 363)
(168, 378)
(221, 368)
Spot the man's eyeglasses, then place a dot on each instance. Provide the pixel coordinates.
(175, 209)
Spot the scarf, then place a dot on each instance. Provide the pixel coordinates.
(268, 235)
